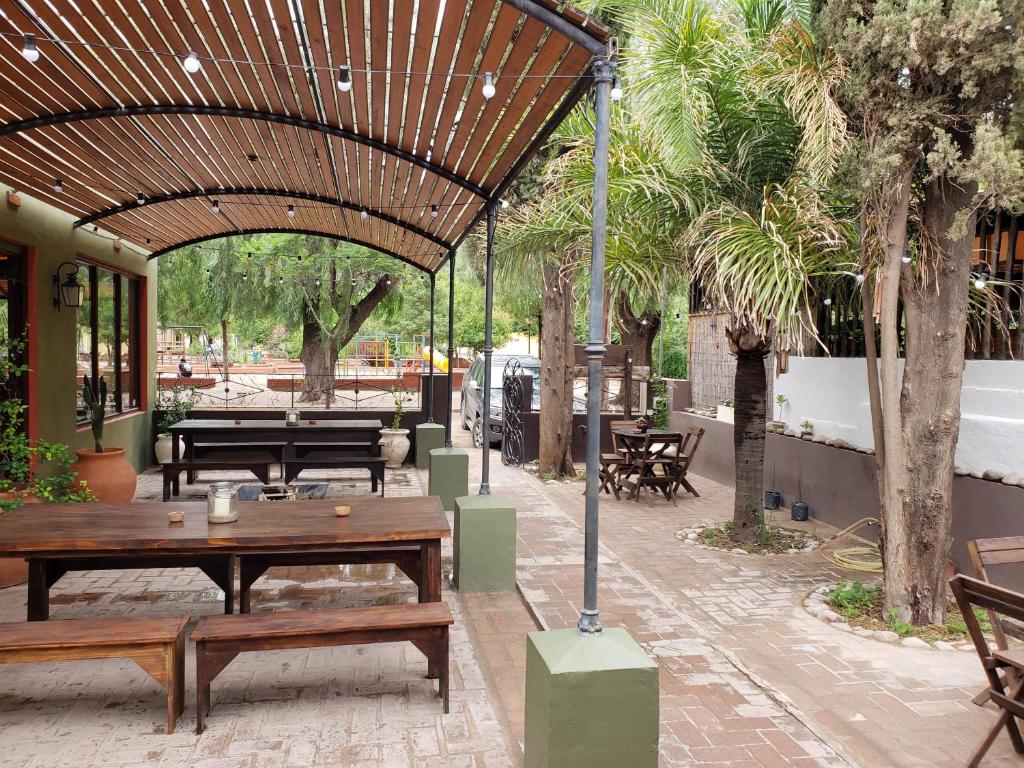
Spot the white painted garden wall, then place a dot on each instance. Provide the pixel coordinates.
(832, 394)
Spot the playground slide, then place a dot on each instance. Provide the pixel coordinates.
(439, 360)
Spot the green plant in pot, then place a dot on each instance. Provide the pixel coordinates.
(806, 428)
(799, 511)
(175, 404)
(394, 442)
(779, 425)
(106, 470)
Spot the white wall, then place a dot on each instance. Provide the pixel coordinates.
(832, 394)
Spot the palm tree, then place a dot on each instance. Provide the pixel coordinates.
(744, 109)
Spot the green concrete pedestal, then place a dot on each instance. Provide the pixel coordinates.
(485, 544)
(449, 475)
(428, 437)
(591, 701)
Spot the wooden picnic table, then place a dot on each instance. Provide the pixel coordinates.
(642, 453)
(254, 431)
(59, 538)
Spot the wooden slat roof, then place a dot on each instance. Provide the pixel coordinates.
(109, 110)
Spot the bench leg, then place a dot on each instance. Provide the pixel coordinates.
(174, 680)
(443, 684)
(209, 664)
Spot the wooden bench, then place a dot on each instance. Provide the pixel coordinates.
(219, 639)
(293, 465)
(155, 644)
(255, 461)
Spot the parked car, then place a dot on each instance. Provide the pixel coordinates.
(471, 414)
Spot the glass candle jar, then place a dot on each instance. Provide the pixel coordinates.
(221, 503)
(291, 417)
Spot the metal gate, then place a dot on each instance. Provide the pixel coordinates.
(512, 414)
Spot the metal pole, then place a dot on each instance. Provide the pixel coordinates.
(661, 324)
(485, 469)
(590, 617)
(430, 358)
(451, 348)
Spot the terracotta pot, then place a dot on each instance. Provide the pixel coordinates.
(14, 570)
(109, 475)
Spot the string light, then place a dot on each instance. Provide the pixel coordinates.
(433, 211)
(291, 211)
(353, 281)
(861, 278)
(317, 282)
(215, 207)
(616, 92)
(344, 79)
(363, 214)
(280, 280)
(245, 275)
(140, 199)
(906, 257)
(827, 302)
(29, 51)
(488, 89)
(979, 282)
(503, 203)
(148, 241)
(192, 63)
(58, 186)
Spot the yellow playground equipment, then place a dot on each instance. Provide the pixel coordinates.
(439, 360)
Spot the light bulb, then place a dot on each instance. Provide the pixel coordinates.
(280, 280)
(644, 321)
(504, 204)
(616, 92)
(299, 258)
(291, 214)
(29, 51)
(860, 278)
(387, 281)
(249, 255)
(148, 241)
(433, 211)
(317, 282)
(488, 89)
(140, 199)
(906, 258)
(245, 275)
(58, 186)
(215, 207)
(363, 214)
(353, 282)
(344, 79)
(827, 302)
(192, 63)
(980, 283)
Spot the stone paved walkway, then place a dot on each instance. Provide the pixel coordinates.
(748, 678)
(356, 706)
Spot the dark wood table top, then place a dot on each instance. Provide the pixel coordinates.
(199, 425)
(141, 528)
(636, 433)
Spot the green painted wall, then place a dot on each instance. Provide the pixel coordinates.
(51, 240)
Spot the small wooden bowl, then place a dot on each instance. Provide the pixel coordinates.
(176, 516)
(238, 421)
(312, 421)
(343, 510)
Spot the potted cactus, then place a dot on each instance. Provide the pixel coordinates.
(106, 471)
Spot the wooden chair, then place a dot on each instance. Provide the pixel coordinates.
(613, 463)
(687, 451)
(986, 553)
(1006, 692)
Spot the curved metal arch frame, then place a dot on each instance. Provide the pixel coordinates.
(266, 192)
(281, 230)
(201, 110)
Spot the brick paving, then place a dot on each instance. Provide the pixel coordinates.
(748, 678)
(355, 706)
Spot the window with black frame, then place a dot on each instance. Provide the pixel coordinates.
(108, 333)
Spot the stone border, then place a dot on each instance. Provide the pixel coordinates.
(691, 535)
(816, 606)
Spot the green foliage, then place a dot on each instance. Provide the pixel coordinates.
(854, 598)
(806, 425)
(176, 404)
(659, 416)
(39, 469)
(95, 400)
(399, 396)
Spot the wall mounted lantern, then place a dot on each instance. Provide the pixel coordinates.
(69, 292)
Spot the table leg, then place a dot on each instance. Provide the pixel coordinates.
(190, 452)
(249, 570)
(38, 590)
(430, 572)
(222, 573)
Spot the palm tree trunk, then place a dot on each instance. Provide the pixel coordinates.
(751, 410)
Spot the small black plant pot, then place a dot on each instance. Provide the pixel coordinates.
(772, 499)
(799, 511)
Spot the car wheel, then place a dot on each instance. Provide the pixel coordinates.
(478, 433)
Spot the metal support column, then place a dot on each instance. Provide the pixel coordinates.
(604, 70)
(430, 358)
(485, 468)
(451, 349)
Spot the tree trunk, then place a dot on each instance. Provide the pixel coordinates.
(637, 331)
(556, 379)
(224, 346)
(751, 410)
(321, 346)
(921, 444)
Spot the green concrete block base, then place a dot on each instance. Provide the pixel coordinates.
(428, 437)
(448, 475)
(591, 701)
(485, 544)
